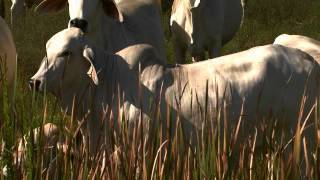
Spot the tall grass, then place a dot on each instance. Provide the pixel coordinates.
(131, 154)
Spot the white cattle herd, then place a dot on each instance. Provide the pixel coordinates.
(203, 25)
(18, 8)
(114, 26)
(7, 58)
(114, 49)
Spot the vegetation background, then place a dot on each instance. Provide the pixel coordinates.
(264, 20)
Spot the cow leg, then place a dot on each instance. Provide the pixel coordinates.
(215, 49)
(180, 53)
(198, 57)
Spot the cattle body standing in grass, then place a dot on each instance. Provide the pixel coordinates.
(270, 80)
(306, 44)
(198, 26)
(45, 141)
(47, 136)
(18, 9)
(8, 62)
(114, 26)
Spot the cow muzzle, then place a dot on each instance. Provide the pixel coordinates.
(34, 84)
(79, 23)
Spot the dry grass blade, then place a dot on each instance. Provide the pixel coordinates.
(296, 152)
(303, 127)
(235, 137)
(306, 157)
(156, 158)
(252, 153)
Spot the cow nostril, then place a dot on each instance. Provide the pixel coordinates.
(34, 84)
(79, 23)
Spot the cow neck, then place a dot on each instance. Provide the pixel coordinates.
(115, 34)
(108, 70)
(107, 90)
(96, 29)
(83, 96)
(117, 78)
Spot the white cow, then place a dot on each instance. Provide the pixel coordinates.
(49, 137)
(8, 56)
(306, 44)
(198, 26)
(18, 8)
(114, 26)
(269, 79)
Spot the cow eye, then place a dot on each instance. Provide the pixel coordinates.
(65, 53)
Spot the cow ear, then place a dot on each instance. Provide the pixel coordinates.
(51, 6)
(111, 9)
(88, 54)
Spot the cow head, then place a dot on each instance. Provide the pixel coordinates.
(82, 12)
(64, 71)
